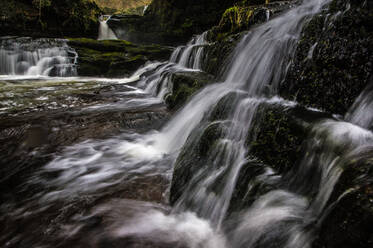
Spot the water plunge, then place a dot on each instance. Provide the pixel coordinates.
(104, 31)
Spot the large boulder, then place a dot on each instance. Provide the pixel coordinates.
(334, 58)
(49, 18)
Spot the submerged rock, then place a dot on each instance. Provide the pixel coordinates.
(114, 58)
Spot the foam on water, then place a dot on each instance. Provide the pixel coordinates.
(37, 57)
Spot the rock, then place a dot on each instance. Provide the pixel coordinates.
(333, 61)
(120, 6)
(55, 19)
(348, 222)
(29, 137)
(114, 58)
(170, 21)
(184, 85)
(243, 16)
(275, 142)
(233, 25)
(194, 156)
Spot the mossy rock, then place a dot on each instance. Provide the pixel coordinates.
(55, 19)
(334, 58)
(194, 156)
(279, 133)
(246, 14)
(233, 25)
(170, 22)
(184, 85)
(114, 58)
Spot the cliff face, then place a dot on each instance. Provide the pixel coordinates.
(50, 18)
(114, 6)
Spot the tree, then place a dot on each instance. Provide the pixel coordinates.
(41, 4)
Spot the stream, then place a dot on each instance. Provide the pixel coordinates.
(111, 187)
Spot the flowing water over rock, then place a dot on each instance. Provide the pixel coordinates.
(104, 32)
(37, 57)
(76, 190)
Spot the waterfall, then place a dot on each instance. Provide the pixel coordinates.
(37, 57)
(285, 214)
(104, 31)
(183, 58)
(145, 8)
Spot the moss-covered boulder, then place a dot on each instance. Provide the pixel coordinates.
(233, 25)
(334, 59)
(244, 15)
(184, 85)
(114, 58)
(49, 18)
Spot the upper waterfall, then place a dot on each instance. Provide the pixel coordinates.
(105, 32)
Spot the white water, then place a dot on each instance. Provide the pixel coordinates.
(361, 112)
(37, 57)
(259, 64)
(104, 31)
(145, 8)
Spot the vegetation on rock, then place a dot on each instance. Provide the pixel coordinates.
(334, 59)
(123, 6)
(49, 18)
(114, 58)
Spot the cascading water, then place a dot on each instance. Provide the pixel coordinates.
(361, 111)
(282, 217)
(37, 57)
(105, 32)
(184, 58)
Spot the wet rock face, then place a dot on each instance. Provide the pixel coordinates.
(184, 85)
(114, 58)
(348, 224)
(334, 58)
(234, 22)
(54, 19)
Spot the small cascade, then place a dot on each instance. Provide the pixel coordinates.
(145, 8)
(361, 112)
(287, 213)
(184, 58)
(37, 57)
(259, 65)
(104, 31)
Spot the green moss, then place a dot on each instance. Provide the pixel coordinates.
(114, 57)
(184, 85)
